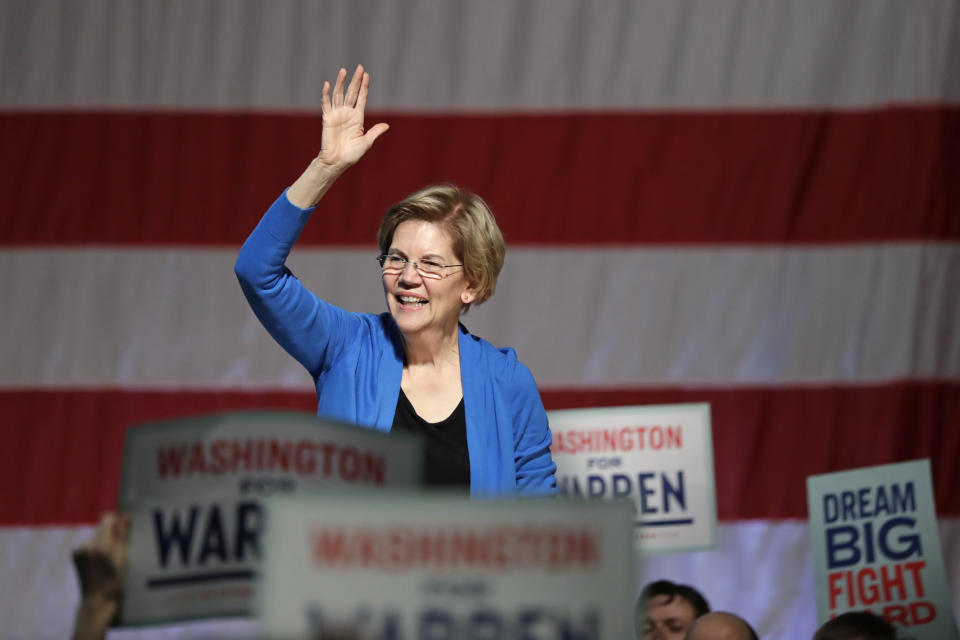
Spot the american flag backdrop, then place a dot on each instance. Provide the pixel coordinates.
(753, 204)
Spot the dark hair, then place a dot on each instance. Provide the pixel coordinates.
(671, 590)
(856, 624)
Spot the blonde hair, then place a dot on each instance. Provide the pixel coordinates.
(477, 241)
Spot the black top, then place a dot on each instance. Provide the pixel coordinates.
(446, 459)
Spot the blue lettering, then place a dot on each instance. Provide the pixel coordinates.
(842, 550)
(174, 537)
(863, 502)
(847, 501)
(529, 624)
(676, 491)
(590, 629)
(904, 502)
(909, 544)
(645, 492)
(214, 542)
(436, 624)
(596, 486)
(248, 530)
(621, 485)
(535, 624)
(882, 506)
(485, 625)
(831, 509)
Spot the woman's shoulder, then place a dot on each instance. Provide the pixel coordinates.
(501, 363)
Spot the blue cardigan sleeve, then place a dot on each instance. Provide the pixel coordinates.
(535, 468)
(310, 330)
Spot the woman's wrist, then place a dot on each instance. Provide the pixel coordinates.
(94, 615)
(313, 183)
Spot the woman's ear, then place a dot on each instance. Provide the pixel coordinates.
(469, 294)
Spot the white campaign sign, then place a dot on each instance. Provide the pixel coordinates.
(441, 567)
(194, 488)
(661, 457)
(876, 547)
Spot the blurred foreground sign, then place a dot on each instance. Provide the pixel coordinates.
(876, 547)
(659, 456)
(409, 567)
(195, 488)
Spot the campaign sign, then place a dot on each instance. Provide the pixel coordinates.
(195, 487)
(876, 548)
(659, 456)
(447, 568)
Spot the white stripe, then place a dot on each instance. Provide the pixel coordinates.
(762, 570)
(498, 54)
(584, 317)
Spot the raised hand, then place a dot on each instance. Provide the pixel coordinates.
(101, 564)
(344, 141)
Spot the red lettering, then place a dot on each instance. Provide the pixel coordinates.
(278, 456)
(589, 551)
(197, 462)
(922, 612)
(399, 554)
(897, 614)
(263, 451)
(376, 469)
(869, 593)
(915, 567)
(328, 547)
(218, 454)
(675, 437)
(367, 543)
(243, 452)
(463, 549)
(641, 431)
(502, 547)
(328, 449)
(891, 582)
(347, 464)
(656, 437)
(608, 441)
(169, 461)
(832, 589)
(306, 462)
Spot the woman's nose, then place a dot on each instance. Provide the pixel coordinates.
(410, 273)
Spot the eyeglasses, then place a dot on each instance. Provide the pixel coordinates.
(394, 265)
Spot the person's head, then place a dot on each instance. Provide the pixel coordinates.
(439, 225)
(720, 625)
(665, 610)
(856, 625)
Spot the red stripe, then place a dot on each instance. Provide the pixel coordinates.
(764, 177)
(62, 457)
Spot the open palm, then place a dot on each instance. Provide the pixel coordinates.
(344, 141)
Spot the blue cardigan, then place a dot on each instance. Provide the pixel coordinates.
(356, 361)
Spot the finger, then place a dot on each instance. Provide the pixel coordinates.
(338, 88)
(325, 105)
(364, 89)
(121, 524)
(375, 132)
(354, 87)
(104, 532)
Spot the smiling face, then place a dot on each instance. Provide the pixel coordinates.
(421, 305)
